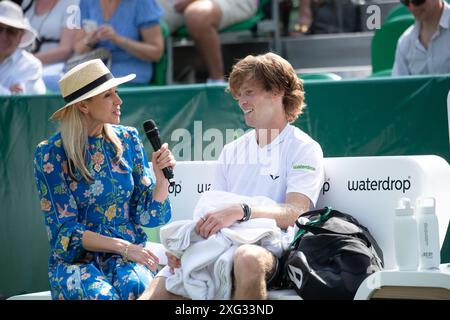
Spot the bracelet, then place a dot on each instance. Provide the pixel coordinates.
(247, 212)
(125, 252)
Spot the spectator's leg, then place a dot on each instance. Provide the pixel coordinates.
(305, 17)
(203, 19)
(306, 12)
(252, 266)
(173, 19)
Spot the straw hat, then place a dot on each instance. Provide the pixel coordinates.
(86, 80)
(11, 15)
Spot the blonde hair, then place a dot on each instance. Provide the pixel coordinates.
(273, 73)
(74, 136)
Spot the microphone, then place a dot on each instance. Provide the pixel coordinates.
(152, 132)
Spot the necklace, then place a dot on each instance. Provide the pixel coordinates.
(47, 14)
(36, 46)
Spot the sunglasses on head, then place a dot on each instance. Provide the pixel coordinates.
(9, 30)
(413, 2)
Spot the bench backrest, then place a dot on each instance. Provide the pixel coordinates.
(366, 187)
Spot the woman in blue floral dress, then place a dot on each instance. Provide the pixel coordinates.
(96, 191)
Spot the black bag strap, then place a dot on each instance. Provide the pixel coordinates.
(324, 214)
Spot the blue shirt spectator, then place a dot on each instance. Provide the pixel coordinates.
(135, 39)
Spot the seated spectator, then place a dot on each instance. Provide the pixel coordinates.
(20, 71)
(54, 45)
(305, 17)
(204, 18)
(128, 29)
(424, 48)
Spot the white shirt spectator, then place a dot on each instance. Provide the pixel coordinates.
(412, 58)
(24, 69)
(51, 24)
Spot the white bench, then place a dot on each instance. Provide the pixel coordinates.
(367, 188)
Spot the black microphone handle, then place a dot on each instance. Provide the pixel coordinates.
(156, 144)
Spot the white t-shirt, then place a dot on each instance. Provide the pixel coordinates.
(293, 162)
(65, 14)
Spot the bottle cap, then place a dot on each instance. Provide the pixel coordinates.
(404, 207)
(425, 205)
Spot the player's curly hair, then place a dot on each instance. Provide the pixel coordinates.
(273, 73)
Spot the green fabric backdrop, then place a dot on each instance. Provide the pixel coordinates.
(403, 116)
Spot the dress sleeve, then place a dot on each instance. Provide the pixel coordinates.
(148, 14)
(143, 209)
(57, 203)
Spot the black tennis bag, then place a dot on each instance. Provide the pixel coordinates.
(330, 256)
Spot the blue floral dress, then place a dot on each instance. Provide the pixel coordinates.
(116, 204)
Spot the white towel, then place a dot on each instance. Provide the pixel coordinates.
(222, 273)
(193, 280)
(206, 263)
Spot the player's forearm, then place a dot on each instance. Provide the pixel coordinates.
(284, 214)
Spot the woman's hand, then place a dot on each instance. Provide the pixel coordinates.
(213, 222)
(173, 262)
(107, 32)
(16, 88)
(91, 39)
(161, 159)
(143, 256)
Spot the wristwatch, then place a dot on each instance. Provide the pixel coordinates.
(247, 212)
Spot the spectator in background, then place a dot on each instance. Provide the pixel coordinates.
(424, 48)
(129, 29)
(304, 21)
(204, 18)
(54, 22)
(20, 71)
(305, 17)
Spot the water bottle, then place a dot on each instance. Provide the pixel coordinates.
(428, 229)
(405, 236)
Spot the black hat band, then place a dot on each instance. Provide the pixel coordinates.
(90, 86)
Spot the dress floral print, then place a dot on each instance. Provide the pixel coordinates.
(116, 204)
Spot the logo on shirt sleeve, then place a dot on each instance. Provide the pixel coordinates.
(303, 167)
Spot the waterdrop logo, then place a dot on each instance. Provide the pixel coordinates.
(203, 187)
(175, 189)
(388, 184)
(326, 186)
